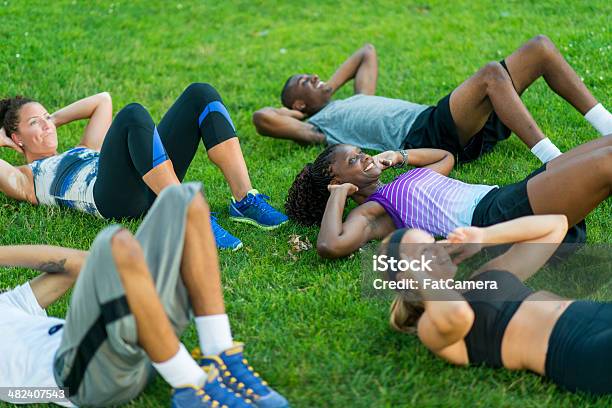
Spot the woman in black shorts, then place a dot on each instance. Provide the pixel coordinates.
(121, 165)
(511, 326)
(572, 184)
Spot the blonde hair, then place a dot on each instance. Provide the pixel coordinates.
(404, 314)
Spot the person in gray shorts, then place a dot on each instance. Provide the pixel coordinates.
(468, 122)
(133, 298)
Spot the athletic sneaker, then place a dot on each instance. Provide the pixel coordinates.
(238, 375)
(214, 394)
(254, 209)
(224, 239)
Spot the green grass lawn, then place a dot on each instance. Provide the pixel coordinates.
(308, 329)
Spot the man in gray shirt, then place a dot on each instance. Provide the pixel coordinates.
(469, 121)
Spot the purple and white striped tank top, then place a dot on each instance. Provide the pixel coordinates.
(424, 199)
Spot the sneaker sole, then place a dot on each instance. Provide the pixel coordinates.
(255, 223)
(237, 247)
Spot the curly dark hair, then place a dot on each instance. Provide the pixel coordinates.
(9, 112)
(308, 194)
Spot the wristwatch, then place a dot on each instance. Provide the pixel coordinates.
(404, 162)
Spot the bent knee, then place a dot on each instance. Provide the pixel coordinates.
(126, 249)
(135, 113)
(543, 43)
(202, 91)
(198, 208)
(494, 72)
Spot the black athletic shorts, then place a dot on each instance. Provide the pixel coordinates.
(510, 202)
(435, 128)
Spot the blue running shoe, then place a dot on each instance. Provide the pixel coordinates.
(214, 394)
(238, 375)
(224, 239)
(254, 209)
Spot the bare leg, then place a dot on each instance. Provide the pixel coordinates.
(160, 177)
(573, 187)
(228, 157)
(539, 57)
(200, 265)
(595, 144)
(491, 89)
(155, 333)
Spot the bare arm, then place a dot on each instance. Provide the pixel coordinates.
(286, 123)
(438, 160)
(98, 109)
(536, 238)
(61, 267)
(15, 184)
(336, 238)
(446, 322)
(447, 318)
(362, 66)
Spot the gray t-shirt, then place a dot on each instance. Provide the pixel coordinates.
(367, 121)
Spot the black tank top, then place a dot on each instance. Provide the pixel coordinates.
(493, 310)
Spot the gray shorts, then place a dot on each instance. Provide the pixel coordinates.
(99, 359)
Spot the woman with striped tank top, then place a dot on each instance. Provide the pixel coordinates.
(573, 184)
(122, 164)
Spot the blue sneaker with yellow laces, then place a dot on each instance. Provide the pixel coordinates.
(254, 209)
(224, 239)
(214, 394)
(238, 375)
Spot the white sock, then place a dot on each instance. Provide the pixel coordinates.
(600, 118)
(215, 333)
(181, 370)
(545, 150)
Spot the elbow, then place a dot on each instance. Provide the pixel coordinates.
(80, 258)
(449, 163)
(105, 96)
(462, 316)
(562, 223)
(327, 251)
(451, 160)
(324, 250)
(560, 228)
(260, 120)
(458, 319)
(369, 48)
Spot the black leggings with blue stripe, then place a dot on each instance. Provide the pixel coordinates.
(134, 145)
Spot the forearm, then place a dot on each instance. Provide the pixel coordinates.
(446, 308)
(534, 228)
(269, 122)
(331, 224)
(431, 157)
(349, 69)
(83, 109)
(43, 258)
(286, 124)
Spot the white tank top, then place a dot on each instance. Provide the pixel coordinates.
(67, 179)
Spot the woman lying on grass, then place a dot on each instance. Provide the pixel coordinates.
(567, 341)
(572, 184)
(121, 165)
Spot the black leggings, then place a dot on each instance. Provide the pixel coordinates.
(579, 356)
(133, 146)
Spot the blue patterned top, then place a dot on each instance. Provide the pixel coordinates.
(67, 179)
